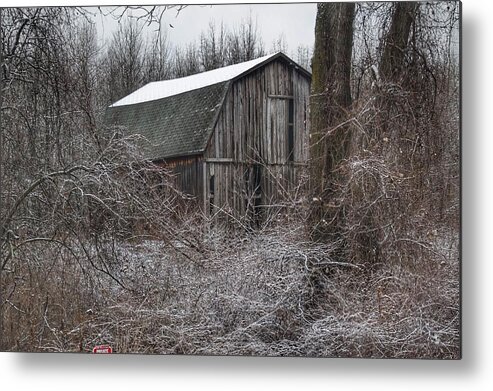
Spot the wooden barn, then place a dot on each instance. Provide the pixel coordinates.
(236, 137)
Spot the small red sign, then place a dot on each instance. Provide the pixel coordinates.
(102, 349)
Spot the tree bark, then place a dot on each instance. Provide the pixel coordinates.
(396, 41)
(330, 102)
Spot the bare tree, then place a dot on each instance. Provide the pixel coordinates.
(157, 58)
(330, 102)
(244, 42)
(186, 61)
(400, 155)
(390, 156)
(396, 41)
(213, 47)
(280, 44)
(71, 188)
(32, 115)
(304, 56)
(125, 60)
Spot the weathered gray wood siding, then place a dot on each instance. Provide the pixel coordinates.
(188, 174)
(248, 153)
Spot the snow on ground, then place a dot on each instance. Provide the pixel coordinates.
(270, 295)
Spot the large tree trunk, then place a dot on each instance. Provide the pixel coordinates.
(396, 41)
(392, 63)
(330, 102)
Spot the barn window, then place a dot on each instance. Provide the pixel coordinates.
(290, 137)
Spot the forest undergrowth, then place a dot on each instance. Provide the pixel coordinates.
(273, 292)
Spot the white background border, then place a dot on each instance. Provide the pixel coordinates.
(473, 372)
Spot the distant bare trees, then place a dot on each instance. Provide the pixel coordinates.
(186, 61)
(157, 60)
(214, 47)
(303, 56)
(125, 60)
(133, 58)
(219, 46)
(245, 43)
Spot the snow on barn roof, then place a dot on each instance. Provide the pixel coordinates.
(163, 89)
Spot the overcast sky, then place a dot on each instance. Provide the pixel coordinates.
(295, 21)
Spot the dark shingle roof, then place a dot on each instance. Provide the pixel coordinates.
(172, 126)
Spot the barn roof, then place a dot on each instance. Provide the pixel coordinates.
(172, 126)
(176, 117)
(165, 88)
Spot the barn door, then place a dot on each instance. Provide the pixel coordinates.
(279, 140)
(253, 184)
